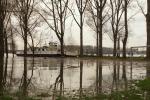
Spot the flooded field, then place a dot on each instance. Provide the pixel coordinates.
(47, 77)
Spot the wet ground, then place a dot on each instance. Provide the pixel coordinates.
(48, 77)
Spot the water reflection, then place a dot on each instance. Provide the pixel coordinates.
(120, 81)
(131, 68)
(24, 78)
(1, 76)
(124, 76)
(148, 76)
(148, 70)
(59, 82)
(98, 77)
(81, 78)
(5, 70)
(53, 77)
(32, 70)
(115, 78)
(11, 72)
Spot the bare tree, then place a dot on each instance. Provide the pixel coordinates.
(125, 38)
(147, 16)
(3, 14)
(24, 10)
(81, 6)
(116, 15)
(126, 27)
(58, 12)
(6, 32)
(97, 8)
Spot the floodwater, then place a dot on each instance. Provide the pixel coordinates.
(47, 77)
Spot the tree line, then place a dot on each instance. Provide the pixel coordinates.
(103, 14)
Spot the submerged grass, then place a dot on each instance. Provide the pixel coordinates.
(137, 90)
(5, 97)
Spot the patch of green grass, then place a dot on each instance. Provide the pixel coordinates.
(62, 98)
(6, 98)
(144, 85)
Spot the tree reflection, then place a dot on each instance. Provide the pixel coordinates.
(12, 71)
(24, 84)
(25, 80)
(148, 70)
(116, 76)
(32, 69)
(1, 74)
(148, 77)
(99, 77)
(115, 81)
(5, 70)
(131, 69)
(81, 79)
(124, 77)
(59, 82)
(118, 81)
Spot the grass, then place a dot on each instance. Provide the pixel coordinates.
(138, 90)
(6, 97)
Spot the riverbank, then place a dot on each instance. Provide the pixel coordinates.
(86, 57)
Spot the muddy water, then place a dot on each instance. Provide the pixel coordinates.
(72, 76)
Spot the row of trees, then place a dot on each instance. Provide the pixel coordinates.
(55, 13)
(100, 16)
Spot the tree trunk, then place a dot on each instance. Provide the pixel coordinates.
(101, 34)
(124, 49)
(6, 45)
(25, 44)
(62, 46)
(2, 17)
(115, 48)
(148, 29)
(1, 56)
(62, 30)
(97, 37)
(97, 43)
(81, 35)
(118, 47)
(25, 56)
(126, 29)
(12, 43)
